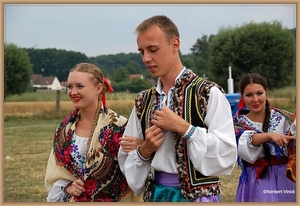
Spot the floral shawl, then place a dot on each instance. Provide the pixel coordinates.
(102, 176)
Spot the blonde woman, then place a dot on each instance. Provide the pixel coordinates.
(83, 164)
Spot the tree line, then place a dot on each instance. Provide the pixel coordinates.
(267, 48)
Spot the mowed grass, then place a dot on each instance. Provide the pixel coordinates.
(27, 144)
(51, 95)
(48, 110)
(29, 125)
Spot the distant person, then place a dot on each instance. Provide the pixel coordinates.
(262, 139)
(186, 123)
(83, 164)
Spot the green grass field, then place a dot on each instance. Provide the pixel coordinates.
(51, 95)
(28, 139)
(27, 144)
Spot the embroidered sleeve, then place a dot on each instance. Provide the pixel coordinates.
(246, 150)
(250, 134)
(190, 131)
(140, 156)
(66, 196)
(57, 192)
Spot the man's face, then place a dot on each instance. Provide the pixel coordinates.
(157, 53)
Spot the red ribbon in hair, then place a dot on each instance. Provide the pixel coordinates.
(109, 88)
(241, 103)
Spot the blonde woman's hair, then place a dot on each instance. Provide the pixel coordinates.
(91, 69)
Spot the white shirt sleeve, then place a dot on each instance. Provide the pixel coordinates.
(57, 193)
(246, 150)
(214, 151)
(251, 153)
(134, 169)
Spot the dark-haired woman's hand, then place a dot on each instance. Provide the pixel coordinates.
(280, 139)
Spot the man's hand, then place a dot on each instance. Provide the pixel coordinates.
(154, 138)
(166, 119)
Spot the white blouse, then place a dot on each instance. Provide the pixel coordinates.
(251, 153)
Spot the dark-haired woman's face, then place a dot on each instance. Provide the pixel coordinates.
(255, 97)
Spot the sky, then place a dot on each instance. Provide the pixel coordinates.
(102, 29)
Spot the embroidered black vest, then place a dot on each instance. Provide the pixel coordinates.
(189, 101)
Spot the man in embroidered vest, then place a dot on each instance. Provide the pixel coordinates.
(185, 122)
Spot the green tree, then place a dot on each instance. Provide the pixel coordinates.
(187, 60)
(121, 86)
(138, 85)
(109, 63)
(266, 48)
(200, 51)
(17, 70)
(55, 62)
(133, 67)
(120, 74)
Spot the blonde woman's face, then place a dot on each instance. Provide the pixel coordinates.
(82, 90)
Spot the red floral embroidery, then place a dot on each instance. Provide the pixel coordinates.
(110, 139)
(117, 137)
(112, 148)
(113, 185)
(90, 185)
(67, 158)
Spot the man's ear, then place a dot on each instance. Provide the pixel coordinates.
(175, 44)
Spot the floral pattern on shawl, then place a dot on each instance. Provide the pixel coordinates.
(241, 124)
(102, 176)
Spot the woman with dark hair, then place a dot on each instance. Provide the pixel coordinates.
(262, 140)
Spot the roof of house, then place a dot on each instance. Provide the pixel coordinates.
(38, 79)
(133, 76)
(35, 78)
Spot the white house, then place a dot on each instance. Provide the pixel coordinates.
(50, 83)
(135, 76)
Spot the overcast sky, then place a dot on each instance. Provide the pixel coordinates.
(98, 29)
